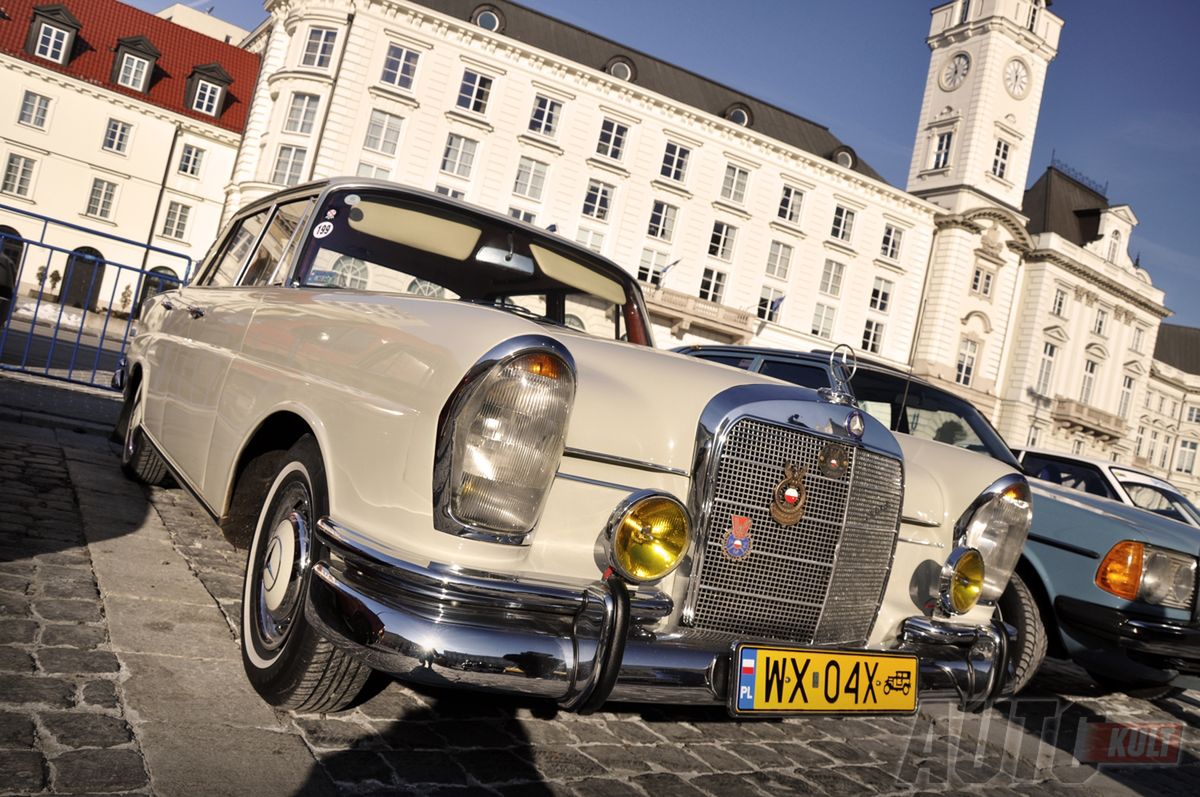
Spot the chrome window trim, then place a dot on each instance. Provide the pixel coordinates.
(781, 405)
(443, 517)
(624, 462)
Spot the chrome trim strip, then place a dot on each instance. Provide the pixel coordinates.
(624, 462)
(1066, 546)
(595, 482)
(443, 516)
(914, 541)
(920, 521)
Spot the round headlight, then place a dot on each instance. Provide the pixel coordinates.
(962, 580)
(648, 534)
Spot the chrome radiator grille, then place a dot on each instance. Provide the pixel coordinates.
(817, 581)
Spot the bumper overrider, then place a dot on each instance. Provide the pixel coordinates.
(579, 643)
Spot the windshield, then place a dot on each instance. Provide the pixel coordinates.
(925, 411)
(1155, 498)
(378, 241)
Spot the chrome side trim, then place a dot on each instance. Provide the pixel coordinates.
(596, 482)
(924, 523)
(443, 516)
(624, 462)
(914, 541)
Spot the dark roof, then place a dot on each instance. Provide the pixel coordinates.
(105, 23)
(1061, 204)
(576, 44)
(1179, 347)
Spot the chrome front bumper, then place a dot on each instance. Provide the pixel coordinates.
(579, 643)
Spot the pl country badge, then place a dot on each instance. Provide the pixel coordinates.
(787, 502)
(737, 541)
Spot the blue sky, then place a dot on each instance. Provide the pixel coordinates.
(1122, 100)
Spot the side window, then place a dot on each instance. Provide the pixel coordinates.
(233, 253)
(1084, 478)
(737, 362)
(277, 242)
(813, 376)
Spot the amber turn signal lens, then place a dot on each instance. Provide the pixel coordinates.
(539, 364)
(1121, 571)
(649, 539)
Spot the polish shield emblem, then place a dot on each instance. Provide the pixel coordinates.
(787, 504)
(737, 541)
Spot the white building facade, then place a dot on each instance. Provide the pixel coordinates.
(746, 223)
(131, 135)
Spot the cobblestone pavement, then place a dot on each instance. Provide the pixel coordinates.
(98, 694)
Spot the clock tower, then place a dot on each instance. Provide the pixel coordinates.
(987, 68)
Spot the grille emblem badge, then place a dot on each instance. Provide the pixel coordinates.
(833, 460)
(737, 541)
(787, 504)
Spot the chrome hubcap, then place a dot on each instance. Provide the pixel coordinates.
(282, 568)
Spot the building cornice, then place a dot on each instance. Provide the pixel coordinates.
(1089, 275)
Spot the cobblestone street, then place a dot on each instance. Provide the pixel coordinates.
(120, 673)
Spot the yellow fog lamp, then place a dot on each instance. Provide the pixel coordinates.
(647, 536)
(962, 581)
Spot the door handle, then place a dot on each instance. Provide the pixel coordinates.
(196, 312)
(193, 310)
(167, 305)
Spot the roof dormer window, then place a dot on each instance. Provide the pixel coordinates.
(206, 88)
(133, 64)
(52, 33)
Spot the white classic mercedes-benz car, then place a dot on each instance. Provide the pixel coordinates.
(454, 457)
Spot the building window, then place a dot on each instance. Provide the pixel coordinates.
(18, 175)
(133, 72)
(318, 50)
(1193, 414)
(981, 281)
(769, 303)
(1045, 370)
(822, 323)
(712, 285)
(831, 278)
(789, 204)
(446, 190)
(843, 223)
(1060, 302)
(302, 112)
(474, 92)
(208, 98)
(1077, 447)
(1126, 396)
(399, 67)
(100, 199)
(371, 170)
(881, 294)
(459, 155)
(872, 338)
(941, 152)
(190, 160)
(964, 11)
(1186, 461)
(1137, 448)
(1114, 246)
(1033, 15)
(175, 223)
(891, 242)
(598, 200)
(35, 108)
(592, 239)
(733, 187)
(675, 158)
(52, 43)
(383, 133)
(531, 178)
(1166, 449)
(1000, 159)
(651, 269)
(289, 164)
(964, 372)
(1031, 439)
(1090, 367)
(116, 136)
(527, 216)
(779, 260)
(662, 221)
(545, 115)
(1139, 335)
(1101, 324)
(612, 139)
(720, 245)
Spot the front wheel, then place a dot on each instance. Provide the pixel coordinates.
(1018, 608)
(139, 460)
(285, 660)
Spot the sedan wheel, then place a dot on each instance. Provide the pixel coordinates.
(1018, 608)
(139, 460)
(285, 660)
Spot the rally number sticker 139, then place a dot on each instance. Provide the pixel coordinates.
(771, 680)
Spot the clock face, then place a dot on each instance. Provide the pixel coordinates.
(956, 71)
(1016, 78)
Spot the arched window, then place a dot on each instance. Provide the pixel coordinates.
(1114, 246)
(83, 278)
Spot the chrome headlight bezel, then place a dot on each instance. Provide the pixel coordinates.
(1001, 542)
(454, 428)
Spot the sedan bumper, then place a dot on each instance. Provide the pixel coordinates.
(579, 643)
(1150, 641)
